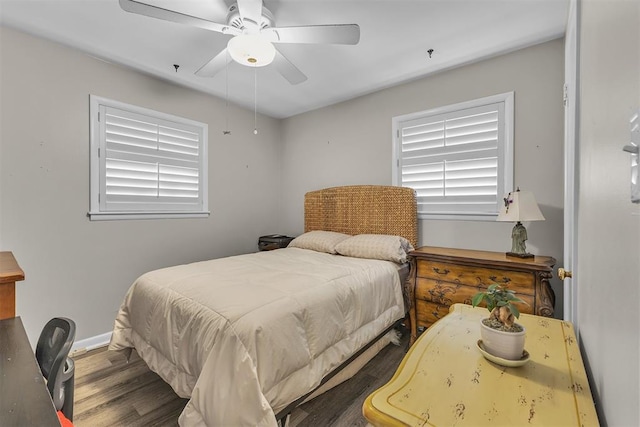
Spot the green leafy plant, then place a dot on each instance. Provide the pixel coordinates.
(500, 303)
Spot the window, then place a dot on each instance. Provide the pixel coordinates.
(145, 164)
(458, 158)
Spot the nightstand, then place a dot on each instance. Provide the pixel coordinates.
(441, 277)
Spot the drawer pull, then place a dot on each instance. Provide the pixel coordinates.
(504, 279)
(437, 270)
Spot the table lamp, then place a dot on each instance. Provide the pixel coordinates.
(519, 206)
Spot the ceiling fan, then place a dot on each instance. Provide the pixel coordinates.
(253, 29)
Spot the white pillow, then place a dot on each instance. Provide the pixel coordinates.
(376, 246)
(319, 241)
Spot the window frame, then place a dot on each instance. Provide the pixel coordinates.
(505, 148)
(97, 170)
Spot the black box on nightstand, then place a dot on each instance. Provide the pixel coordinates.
(273, 241)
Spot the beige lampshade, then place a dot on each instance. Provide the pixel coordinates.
(519, 206)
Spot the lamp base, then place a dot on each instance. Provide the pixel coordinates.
(525, 255)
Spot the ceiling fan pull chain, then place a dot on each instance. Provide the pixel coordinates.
(255, 100)
(226, 97)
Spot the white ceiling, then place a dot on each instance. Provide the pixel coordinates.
(395, 37)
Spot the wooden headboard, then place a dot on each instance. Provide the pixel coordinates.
(363, 209)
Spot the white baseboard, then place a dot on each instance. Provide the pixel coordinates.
(90, 343)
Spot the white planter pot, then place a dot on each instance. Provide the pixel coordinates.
(507, 345)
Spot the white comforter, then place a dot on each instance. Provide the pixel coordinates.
(244, 336)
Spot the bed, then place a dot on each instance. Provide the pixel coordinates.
(246, 338)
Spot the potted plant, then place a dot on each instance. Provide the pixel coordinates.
(501, 335)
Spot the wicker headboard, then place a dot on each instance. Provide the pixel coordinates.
(363, 209)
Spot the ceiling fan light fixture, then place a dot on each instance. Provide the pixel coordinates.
(251, 50)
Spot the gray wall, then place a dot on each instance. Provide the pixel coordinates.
(82, 269)
(608, 259)
(351, 143)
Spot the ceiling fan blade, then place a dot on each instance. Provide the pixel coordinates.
(214, 66)
(250, 10)
(288, 70)
(134, 6)
(330, 34)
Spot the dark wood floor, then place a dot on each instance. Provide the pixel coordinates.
(111, 392)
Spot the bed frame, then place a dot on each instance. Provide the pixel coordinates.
(358, 209)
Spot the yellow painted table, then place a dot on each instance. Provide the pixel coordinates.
(444, 380)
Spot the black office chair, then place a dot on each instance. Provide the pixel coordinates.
(52, 354)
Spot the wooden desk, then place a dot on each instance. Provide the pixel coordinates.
(24, 398)
(444, 380)
(10, 273)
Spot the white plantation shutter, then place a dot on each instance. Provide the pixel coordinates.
(457, 158)
(148, 163)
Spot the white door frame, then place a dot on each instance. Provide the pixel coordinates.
(571, 164)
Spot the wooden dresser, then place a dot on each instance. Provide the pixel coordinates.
(10, 273)
(443, 276)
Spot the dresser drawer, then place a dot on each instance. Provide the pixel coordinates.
(430, 312)
(521, 282)
(447, 293)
